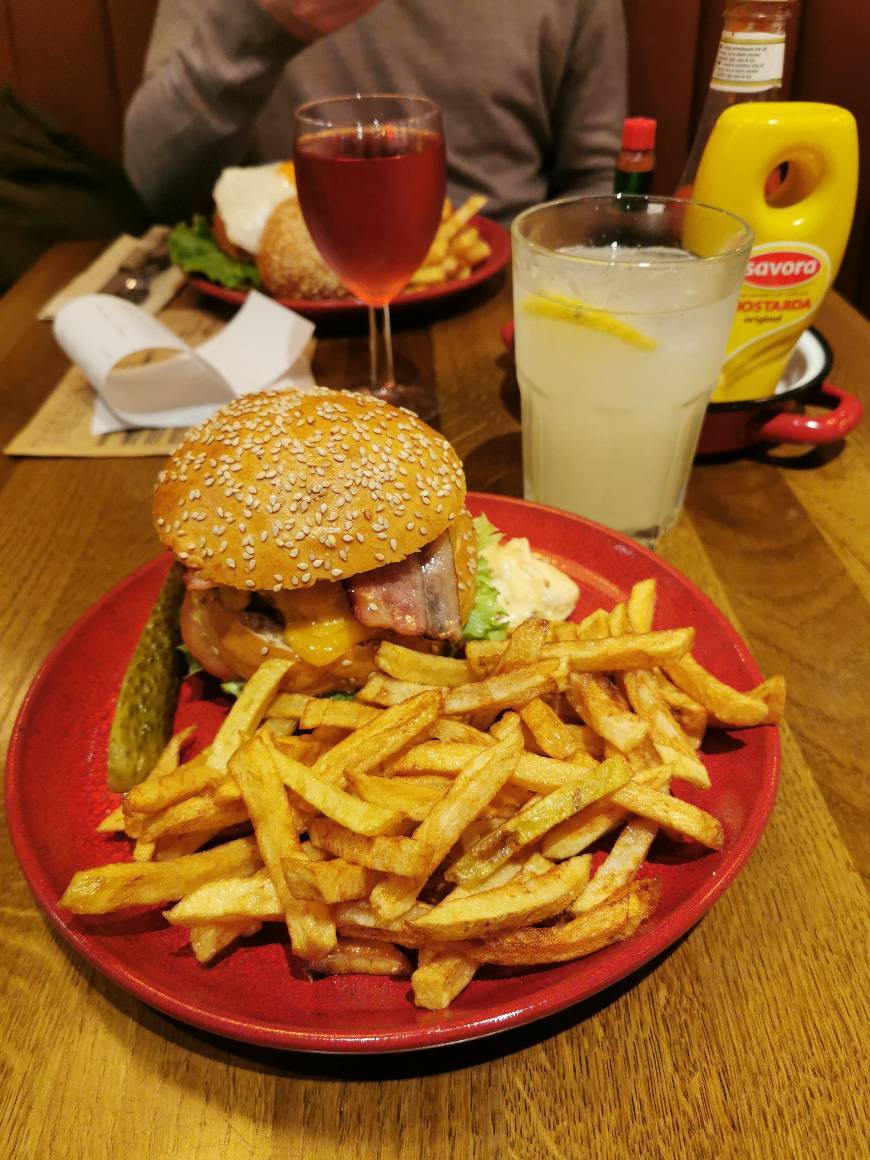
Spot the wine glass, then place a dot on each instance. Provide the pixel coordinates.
(370, 174)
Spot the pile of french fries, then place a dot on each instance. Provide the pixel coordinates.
(456, 249)
(448, 810)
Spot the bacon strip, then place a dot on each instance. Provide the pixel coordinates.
(418, 596)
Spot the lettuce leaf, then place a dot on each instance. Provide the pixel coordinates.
(233, 688)
(193, 249)
(487, 619)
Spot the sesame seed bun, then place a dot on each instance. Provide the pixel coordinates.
(289, 263)
(284, 489)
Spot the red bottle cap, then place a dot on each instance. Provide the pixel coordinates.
(638, 134)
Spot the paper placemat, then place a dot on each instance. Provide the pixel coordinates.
(164, 286)
(62, 425)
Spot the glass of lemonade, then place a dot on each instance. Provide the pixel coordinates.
(622, 309)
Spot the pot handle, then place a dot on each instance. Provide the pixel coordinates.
(789, 427)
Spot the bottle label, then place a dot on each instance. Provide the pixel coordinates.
(749, 62)
(784, 285)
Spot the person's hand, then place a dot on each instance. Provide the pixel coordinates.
(311, 19)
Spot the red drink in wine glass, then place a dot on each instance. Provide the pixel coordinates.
(370, 174)
(372, 202)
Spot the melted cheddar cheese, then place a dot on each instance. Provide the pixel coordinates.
(319, 624)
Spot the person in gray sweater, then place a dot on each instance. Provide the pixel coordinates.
(532, 91)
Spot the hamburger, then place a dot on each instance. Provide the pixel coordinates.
(310, 527)
(257, 220)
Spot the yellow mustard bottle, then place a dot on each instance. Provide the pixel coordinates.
(801, 225)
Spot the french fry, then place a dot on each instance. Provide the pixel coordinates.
(232, 899)
(167, 764)
(247, 712)
(613, 654)
(192, 815)
(532, 772)
(331, 881)
(358, 957)
(523, 901)
(772, 692)
(668, 738)
(579, 832)
(393, 855)
(641, 606)
(524, 647)
(446, 729)
(377, 741)
(672, 812)
(207, 942)
(550, 733)
(620, 866)
(595, 699)
(692, 717)
(291, 705)
(721, 701)
(504, 690)
(188, 780)
(357, 815)
(536, 819)
(595, 626)
(359, 920)
(415, 801)
(342, 714)
(122, 884)
(470, 793)
(407, 664)
(312, 931)
(616, 920)
(386, 691)
(442, 973)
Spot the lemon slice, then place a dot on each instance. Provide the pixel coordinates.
(567, 310)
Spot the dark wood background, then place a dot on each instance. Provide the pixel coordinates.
(81, 61)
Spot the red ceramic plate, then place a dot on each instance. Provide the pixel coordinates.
(500, 244)
(256, 993)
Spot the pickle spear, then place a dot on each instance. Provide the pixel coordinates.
(149, 692)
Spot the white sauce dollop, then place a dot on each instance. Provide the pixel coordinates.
(528, 585)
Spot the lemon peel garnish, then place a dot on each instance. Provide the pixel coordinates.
(567, 310)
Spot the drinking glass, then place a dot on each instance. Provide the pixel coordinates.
(370, 173)
(622, 310)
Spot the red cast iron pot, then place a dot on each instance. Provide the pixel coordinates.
(779, 417)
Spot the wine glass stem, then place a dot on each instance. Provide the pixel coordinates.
(378, 385)
(374, 378)
(389, 374)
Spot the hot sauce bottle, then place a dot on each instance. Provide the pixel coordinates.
(637, 158)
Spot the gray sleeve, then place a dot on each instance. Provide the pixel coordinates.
(192, 115)
(591, 102)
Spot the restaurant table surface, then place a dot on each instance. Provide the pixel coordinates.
(745, 1039)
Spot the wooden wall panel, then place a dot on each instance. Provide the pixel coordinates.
(662, 42)
(833, 64)
(64, 66)
(8, 71)
(129, 30)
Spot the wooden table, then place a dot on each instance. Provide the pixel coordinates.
(743, 1041)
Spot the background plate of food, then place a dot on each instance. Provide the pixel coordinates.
(256, 238)
(57, 797)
